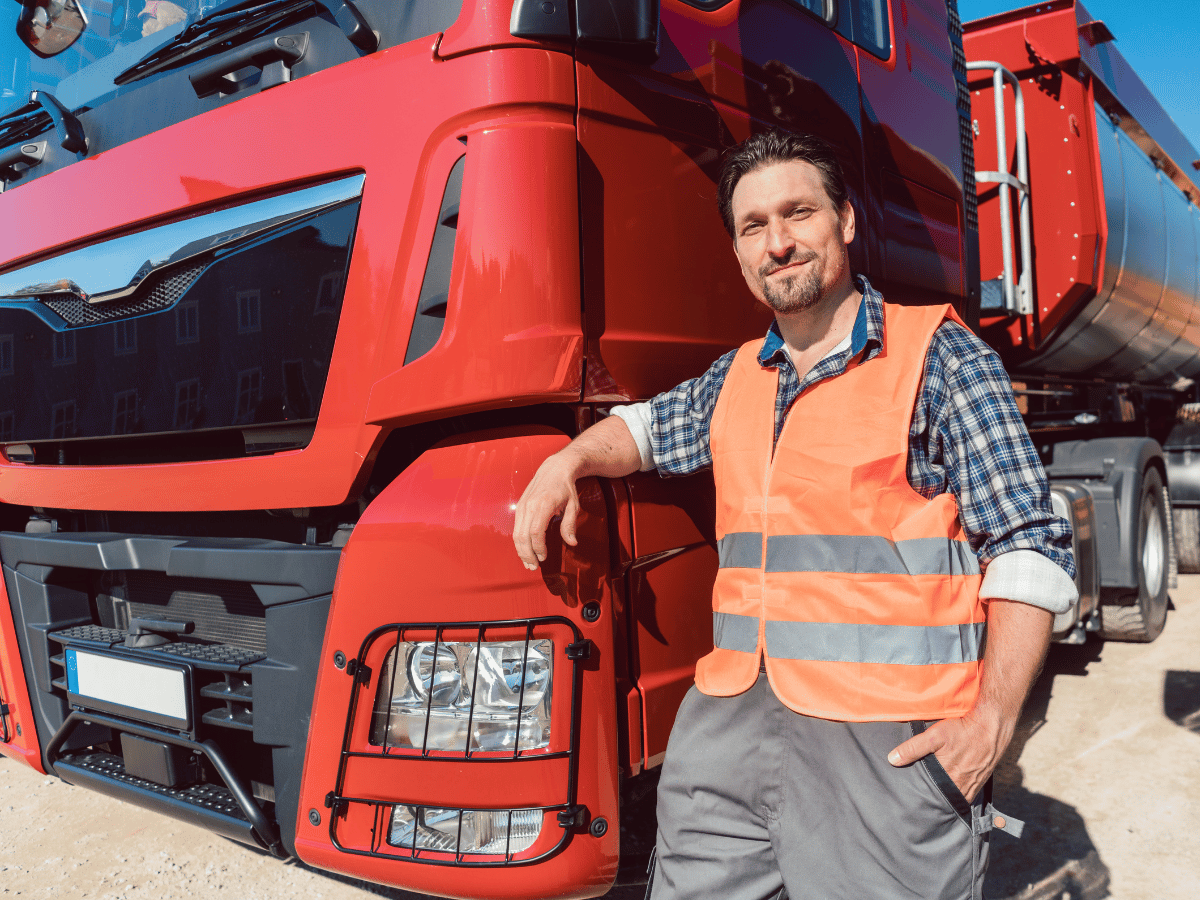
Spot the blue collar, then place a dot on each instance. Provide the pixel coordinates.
(866, 338)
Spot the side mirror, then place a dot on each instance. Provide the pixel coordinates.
(48, 27)
(623, 28)
(628, 28)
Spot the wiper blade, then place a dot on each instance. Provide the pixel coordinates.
(25, 122)
(212, 33)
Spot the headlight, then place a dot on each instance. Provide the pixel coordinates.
(490, 831)
(438, 673)
(428, 696)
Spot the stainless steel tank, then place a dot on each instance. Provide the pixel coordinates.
(1143, 323)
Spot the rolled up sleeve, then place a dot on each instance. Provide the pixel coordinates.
(978, 443)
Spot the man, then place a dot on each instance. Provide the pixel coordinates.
(159, 14)
(869, 462)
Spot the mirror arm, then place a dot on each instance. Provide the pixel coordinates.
(69, 128)
(353, 24)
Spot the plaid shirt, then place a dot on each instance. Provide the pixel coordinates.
(966, 436)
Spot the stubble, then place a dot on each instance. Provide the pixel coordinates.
(793, 293)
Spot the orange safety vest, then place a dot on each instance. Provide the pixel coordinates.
(861, 595)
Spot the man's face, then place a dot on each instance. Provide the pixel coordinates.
(159, 14)
(788, 237)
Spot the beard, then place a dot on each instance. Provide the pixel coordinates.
(796, 292)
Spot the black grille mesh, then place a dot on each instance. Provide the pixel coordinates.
(227, 612)
(163, 294)
(966, 135)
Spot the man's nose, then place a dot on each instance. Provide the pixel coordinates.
(779, 239)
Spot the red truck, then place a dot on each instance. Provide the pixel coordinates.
(295, 295)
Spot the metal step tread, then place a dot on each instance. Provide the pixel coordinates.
(213, 653)
(211, 798)
(218, 657)
(91, 634)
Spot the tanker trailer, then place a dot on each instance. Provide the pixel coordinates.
(1088, 263)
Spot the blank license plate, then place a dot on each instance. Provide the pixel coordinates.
(152, 693)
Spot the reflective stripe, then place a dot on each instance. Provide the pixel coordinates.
(900, 645)
(732, 632)
(869, 555)
(740, 550)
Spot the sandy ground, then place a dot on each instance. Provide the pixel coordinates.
(1105, 769)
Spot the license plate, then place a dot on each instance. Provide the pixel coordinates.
(145, 691)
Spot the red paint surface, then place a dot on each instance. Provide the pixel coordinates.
(1067, 197)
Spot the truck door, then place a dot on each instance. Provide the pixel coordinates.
(660, 308)
(913, 145)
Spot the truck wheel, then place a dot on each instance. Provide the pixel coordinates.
(1141, 617)
(1187, 539)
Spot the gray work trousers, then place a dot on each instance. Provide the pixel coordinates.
(755, 799)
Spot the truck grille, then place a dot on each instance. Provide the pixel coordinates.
(163, 294)
(240, 341)
(225, 691)
(225, 612)
(239, 701)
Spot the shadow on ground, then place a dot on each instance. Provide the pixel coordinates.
(369, 887)
(1055, 859)
(1181, 699)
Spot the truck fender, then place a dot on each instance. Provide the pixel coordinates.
(434, 548)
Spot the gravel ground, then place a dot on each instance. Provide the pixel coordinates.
(1105, 769)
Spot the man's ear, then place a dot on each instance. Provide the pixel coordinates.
(846, 217)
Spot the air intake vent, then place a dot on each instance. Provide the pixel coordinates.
(435, 288)
(227, 612)
(161, 295)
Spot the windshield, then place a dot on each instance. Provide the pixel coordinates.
(119, 34)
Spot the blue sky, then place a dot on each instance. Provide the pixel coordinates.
(1161, 40)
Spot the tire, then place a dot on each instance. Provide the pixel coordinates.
(1187, 539)
(1141, 616)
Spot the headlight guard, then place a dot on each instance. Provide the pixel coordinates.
(503, 692)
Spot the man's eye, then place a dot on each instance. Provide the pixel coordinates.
(799, 212)
(751, 227)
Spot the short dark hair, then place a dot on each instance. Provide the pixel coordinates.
(776, 146)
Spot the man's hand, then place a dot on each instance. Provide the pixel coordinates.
(970, 748)
(551, 492)
(606, 449)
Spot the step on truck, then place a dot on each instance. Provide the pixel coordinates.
(295, 295)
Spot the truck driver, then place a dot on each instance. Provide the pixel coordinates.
(880, 512)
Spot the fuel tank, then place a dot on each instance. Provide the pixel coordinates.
(1114, 291)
